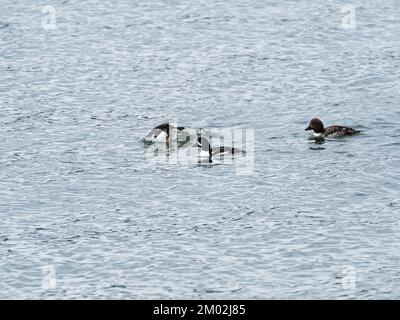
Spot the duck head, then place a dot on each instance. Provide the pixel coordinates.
(316, 125)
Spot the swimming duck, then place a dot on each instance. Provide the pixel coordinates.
(332, 131)
(207, 151)
(162, 133)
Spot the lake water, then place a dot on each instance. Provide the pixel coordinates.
(85, 214)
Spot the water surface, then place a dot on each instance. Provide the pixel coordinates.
(78, 194)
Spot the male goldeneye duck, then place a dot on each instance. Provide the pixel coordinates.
(162, 133)
(332, 131)
(207, 151)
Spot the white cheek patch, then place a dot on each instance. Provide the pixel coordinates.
(156, 135)
(161, 137)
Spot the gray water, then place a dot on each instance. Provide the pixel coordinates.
(78, 196)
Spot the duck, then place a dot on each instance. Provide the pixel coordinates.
(207, 151)
(163, 133)
(332, 131)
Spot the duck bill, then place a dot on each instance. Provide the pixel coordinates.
(308, 128)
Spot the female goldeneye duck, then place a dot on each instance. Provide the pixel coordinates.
(161, 133)
(207, 151)
(332, 131)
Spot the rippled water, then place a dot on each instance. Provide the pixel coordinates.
(78, 195)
